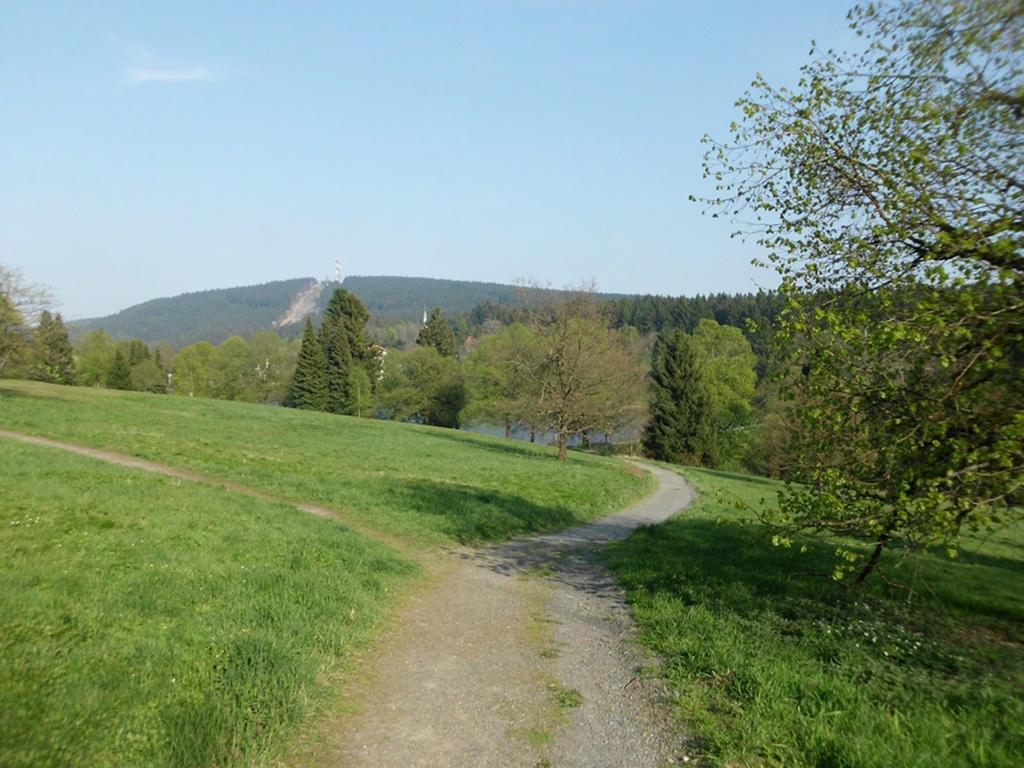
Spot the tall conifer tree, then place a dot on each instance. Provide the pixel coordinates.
(54, 359)
(438, 333)
(119, 374)
(338, 365)
(680, 410)
(343, 340)
(309, 385)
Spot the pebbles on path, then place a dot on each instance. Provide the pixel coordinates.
(521, 656)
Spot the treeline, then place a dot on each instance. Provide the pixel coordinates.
(339, 370)
(652, 314)
(657, 314)
(562, 370)
(258, 370)
(752, 313)
(566, 373)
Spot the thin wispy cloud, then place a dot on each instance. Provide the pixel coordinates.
(141, 74)
(145, 67)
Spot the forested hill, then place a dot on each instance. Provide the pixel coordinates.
(218, 314)
(202, 316)
(403, 299)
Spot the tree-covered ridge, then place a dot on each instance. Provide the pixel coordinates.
(404, 299)
(216, 315)
(663, 313)
(212, 316)
(655, 314)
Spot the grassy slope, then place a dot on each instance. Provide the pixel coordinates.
(148, 621)
(774, 665)
(424, 483)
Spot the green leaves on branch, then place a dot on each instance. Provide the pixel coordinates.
(888, 190)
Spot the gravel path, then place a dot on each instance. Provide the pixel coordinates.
(520, 657)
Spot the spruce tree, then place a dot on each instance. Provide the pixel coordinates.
(309, 384)
(437, 333)
(354, 316)
(158, 386)
(54, 359)
(679, 424)
(343, 341)
(120, 373)
(138, 352)
(338, 365)
(348, 313)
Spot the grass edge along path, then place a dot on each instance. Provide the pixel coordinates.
(144, 465)
(770, 663)
(150, 621)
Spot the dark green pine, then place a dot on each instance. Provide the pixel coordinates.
(679, 425)
(343, 340)
(309, 384)
(119, 374)
(54, 357)
(437, 333)
(338, 359)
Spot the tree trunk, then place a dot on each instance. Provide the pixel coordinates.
(563, 444)
(533, 436)
(508, 427)
(872, 562)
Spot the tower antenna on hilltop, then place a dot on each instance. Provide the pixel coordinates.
(337, 271)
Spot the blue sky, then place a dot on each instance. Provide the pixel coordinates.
(147, 149)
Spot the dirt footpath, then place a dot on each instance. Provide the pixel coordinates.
(522, 656)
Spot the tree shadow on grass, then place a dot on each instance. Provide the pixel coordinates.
(973, 557)
(62, 394)
(506, 446)
(698, 560)
(748, 479)
(731, 567)
(470, 515)
(6, 391)
(532, 539)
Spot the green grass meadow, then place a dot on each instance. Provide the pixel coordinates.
(151, 621)
(771, 663)
(426, 484)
